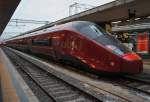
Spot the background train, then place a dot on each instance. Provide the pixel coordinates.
(81, 43)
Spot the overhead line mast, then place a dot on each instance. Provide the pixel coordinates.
(78, 7)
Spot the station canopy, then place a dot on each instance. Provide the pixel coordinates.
(7, 8)
(113, 11)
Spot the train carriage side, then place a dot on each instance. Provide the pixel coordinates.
(83, 42)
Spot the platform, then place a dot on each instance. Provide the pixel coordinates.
(146, 63)
(13, 87)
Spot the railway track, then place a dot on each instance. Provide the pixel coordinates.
(139, 86)
(140, 83)
(57, 89)
(143, 77)
(129, 83)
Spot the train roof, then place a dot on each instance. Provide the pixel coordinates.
(66, 26)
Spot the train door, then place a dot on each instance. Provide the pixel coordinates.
(74, 44)
(56, 42)
(29, 43)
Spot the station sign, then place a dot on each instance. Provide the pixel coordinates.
(143, 43)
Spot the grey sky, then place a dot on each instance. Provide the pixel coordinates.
(45, 10)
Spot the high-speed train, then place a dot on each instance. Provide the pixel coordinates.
(81, 43)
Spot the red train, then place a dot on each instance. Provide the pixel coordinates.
(82, 43)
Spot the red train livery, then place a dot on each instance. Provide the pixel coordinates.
(81, 42)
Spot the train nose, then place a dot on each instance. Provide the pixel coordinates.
(132, 63)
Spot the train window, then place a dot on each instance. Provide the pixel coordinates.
(113, 44)
(87, 32)
(89, 29)
(47, 42)
(96, 33)
(95, 29)
(115, 49)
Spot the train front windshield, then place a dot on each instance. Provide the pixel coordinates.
(95, 32)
